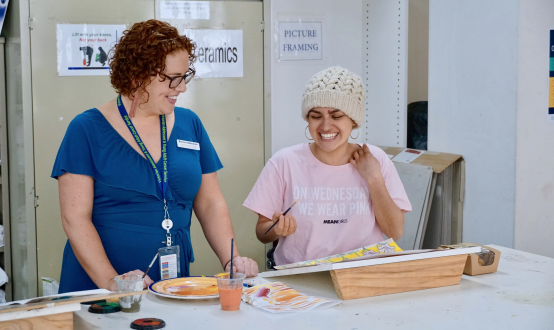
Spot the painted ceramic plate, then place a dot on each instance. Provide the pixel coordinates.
(186, 288)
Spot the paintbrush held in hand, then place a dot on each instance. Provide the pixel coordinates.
(287, 211)
(156, 256)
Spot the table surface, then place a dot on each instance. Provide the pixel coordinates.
(519, 296)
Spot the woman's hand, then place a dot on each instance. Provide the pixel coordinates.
(286, 225)
(112, 285)
(367, 165)
(243, 265)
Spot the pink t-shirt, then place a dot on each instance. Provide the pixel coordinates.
(334, 213)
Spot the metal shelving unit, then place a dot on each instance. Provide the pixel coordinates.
(5, 253)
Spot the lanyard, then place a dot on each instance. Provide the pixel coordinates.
(162, 183)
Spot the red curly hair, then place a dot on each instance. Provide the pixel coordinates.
(140, 55)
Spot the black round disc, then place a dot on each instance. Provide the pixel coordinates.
(104, 308)
(148, 324)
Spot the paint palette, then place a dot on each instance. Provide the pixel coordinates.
(186, 288)
(148, 324)
(104, 308)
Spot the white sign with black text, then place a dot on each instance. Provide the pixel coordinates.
(185, 9)
(300, 40)
(83, 48)
(219, 53)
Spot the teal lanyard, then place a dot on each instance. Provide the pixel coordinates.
(161, 183)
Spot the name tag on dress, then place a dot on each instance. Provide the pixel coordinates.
(188, 145)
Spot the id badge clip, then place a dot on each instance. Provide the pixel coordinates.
(170, 265)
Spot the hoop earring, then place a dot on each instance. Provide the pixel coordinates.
(306, 135)
(354, 138)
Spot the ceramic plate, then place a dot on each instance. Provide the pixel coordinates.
(186, 288)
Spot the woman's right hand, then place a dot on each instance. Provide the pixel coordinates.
(112, 285)
(286, 225)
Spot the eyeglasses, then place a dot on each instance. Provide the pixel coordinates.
(175, 81)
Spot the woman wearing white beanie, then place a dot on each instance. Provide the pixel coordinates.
(349, 194)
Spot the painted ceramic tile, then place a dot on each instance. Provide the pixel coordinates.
(387, 246)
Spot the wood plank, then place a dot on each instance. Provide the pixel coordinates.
(437, 160)
(62, 321)
(369, 281)
(72, 300)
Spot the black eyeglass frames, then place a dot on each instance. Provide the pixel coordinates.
(175, 81)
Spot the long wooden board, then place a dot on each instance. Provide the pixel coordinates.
(370, 262)
(63, 321)
(439, 161)
(72, 300)
(384, 279)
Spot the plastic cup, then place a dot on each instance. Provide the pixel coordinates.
(230, 290)
(129, 283)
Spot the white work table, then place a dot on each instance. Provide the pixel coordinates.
(519, 296)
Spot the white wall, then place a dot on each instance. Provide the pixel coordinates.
(473, 50)
(534, 219)
(418, 50)
(342, 36)
(385, 62)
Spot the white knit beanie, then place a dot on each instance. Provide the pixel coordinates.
(337, 88)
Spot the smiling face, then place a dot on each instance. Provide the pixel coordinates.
(162, 99)
(330, 128)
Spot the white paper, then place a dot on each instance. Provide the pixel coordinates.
(300, 40)
(185, 9)
(83, 48)
(219, 53)
(407, 156)
(188, 145)
(74, 293)
(266, 297)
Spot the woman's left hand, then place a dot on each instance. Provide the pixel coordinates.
(243, 265)
(367, 165)
(146, 281)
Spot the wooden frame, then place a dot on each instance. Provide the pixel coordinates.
(369, 281)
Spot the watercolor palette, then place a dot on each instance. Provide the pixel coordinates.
(186, 288)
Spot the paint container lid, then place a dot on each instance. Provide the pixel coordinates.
(148, 324)
(104, 308)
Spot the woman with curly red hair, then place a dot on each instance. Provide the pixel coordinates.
(131, 171)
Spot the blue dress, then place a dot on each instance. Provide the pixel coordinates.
(128, 204)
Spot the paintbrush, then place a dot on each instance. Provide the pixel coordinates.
(155, 257)
(232, 249)
(287, 211)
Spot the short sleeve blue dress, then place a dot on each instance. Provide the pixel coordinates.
(128, 204)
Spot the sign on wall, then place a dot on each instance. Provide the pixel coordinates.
(83, 48)
(551, 80)
(300, 40)
(3, 10)
(219, 53)
(185, 9)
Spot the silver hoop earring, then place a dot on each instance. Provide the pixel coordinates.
(354, 138)
(306, 135)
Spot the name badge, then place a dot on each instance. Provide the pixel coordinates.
(188, 145)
